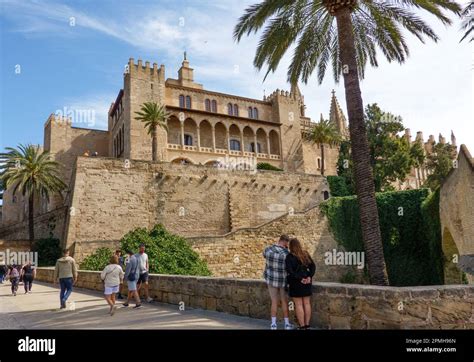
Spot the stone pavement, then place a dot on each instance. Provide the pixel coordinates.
(40, 310)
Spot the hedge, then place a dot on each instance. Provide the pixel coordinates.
(409, 224)
(49, 250)
(267, 166)
(338, 186)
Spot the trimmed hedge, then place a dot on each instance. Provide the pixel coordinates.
(410, 234)
(167, 253)
(338, 186)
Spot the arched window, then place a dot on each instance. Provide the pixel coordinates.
(325, 195)
(207, 104)
(188, 102)
(255, 113)
(252, 147)
(181, 101)
(214, 106)
(230, 110)
(250, 112)
(236, 110)
(188, 140)
(235, 145)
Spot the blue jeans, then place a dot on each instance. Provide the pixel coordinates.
(66, 289)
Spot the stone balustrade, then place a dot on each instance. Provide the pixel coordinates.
(335, 306)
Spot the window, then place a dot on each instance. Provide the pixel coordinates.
(235, 145)
(236, 110)
(188, 102)
(230, 110)
(325, 195)
(214, 106)
(252, 147)
(181, 101)
(188, 140)
(250, 112)
(319, 163)
(207, 105)
(255, 113)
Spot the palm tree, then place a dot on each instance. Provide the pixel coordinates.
(345, 34)
(153, 115)
(321, 133)
(32, 172)
(468, 22)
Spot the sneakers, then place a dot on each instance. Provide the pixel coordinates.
(149, 300)
(289, 326)
(137, 306)
(125, 304)
(273, 327)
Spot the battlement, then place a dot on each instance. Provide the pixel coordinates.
(279, 93)
(147, 69)
(58, 119)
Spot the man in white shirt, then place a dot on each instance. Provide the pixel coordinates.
(143, 268)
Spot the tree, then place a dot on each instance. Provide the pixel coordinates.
(345, 33)
(32, 172)
(392, 156)
(468, 22)
(321, 133)
(153, 116)
(439, 162)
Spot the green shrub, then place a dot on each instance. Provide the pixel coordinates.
(49, 250)
(267, 166)
(167, 253)
(338, 186)
(411, 256)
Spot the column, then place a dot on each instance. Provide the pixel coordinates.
(227, 136)
(255, 144)
(213, 139)
(268, 145)
(242, 147)
(198, 130)
(182, 134)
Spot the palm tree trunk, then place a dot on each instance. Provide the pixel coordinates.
(322, 159)
(154, 144)
(369, 218)
(31, 226)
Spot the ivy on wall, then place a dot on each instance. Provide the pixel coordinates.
(410, 228)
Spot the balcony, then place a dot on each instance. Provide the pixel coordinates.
(221, 151)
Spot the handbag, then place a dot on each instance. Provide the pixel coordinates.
(132, 275)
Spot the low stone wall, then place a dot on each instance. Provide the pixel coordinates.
(335, 306)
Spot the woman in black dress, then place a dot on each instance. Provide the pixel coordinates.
(300, 268)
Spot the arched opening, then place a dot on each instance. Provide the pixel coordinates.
(234, 135)
(262, 140)
(249, 138)
(452, 274)
(174, 131)
(230, 109)
(181, 101)
(221, 133)
(255, 113)
(325, 195)
(214, 106)
(188, 102)
(207, 105)
(274, 143)
(190, 132)
(236, 110)
(205, 134)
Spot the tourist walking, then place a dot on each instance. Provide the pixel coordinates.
(121, 262)
(300, 269)
(275, 276)
(131, 277)
(28, 272)
(143, 268)
(14, 276)
(112, 275)
(66, 272)
(3, 272)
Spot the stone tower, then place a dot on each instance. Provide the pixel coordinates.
(336, 116)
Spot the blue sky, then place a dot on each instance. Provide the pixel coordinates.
(81, 66)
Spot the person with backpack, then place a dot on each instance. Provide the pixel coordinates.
(28, 272)
(112, 275)
(66, 272)
(300, 269)
(132, 273)
(14, 276)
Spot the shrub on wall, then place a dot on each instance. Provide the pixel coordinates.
(167, 253)
(267, 166)
(338, 186)
(410, 253)
(49, 250)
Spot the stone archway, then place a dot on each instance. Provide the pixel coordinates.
(452, 274)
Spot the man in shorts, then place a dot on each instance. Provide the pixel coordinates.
(143, 268)
(275, 276)
(131, 277)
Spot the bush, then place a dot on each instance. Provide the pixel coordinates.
(267, 166)
(338, 186)
(49, 250)
(411, 247)
(167, 253)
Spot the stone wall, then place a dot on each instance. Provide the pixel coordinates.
(239, 254)
(457, 214)
(335, 306)
(15, 245)
(110, 197)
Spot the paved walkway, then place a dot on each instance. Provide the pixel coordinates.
(40, 310)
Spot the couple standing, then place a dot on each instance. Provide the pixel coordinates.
(289, 267)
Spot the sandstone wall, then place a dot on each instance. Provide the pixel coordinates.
(335, 306)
